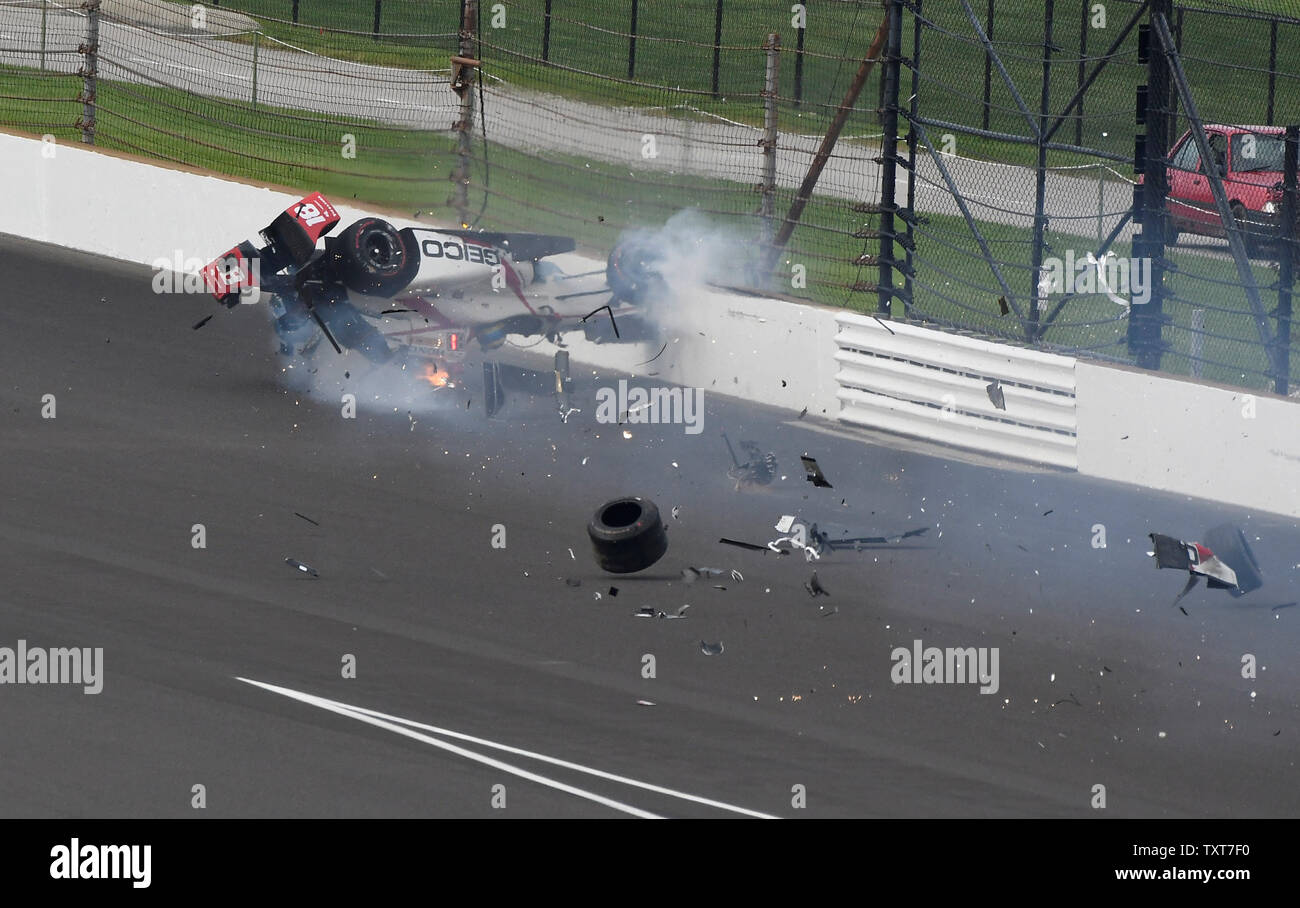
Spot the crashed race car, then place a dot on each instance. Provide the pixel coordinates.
(423, 292)
(1224, 560)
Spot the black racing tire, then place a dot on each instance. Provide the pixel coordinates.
(632, 271)
(372, 257)
(1230, 545)
(627, 535)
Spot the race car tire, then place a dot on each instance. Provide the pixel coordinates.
(627, 535)
(372, 257)
(632, 271)
(1230, 545)
(1250, 230)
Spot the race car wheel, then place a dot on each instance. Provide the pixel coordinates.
(1230, 545)
(372, 257)
(1250, 230)
(627, 535)
(632, 271)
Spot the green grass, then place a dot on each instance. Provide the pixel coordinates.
(408, 170)
(589, 53)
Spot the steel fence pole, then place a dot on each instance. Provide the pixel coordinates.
(889, 157)
(465, 124)
(770, 86)
(1286, 259)
(89, 71)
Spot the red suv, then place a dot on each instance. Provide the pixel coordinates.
(1249, 161)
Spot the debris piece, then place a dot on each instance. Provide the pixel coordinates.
(743, 545)
(645, 612)
(611, 318)
(835, 610)
(677, 510)
(305, 568)
(644, 703)
(736, 575)
(758, 469)
(996, 395)
(653, 358)
(572, 581)
(613, 591)
(814, 472)
(691, 574)
(711, 649)
(803, 412)
(1003, 308)
(199, 324)
(1183, 610)
(306, 518)
(379, 573)
(815, 588)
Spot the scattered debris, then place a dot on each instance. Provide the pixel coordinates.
(651, 612)
(1183, 610)
(815, 588)
(1003, 308)
(611, 318)
(200, 323)
(613, 591)
(644, 703)
(306, 518)
(691, 574)
(1049, 511)
(803, 412)
(814, 472)
(996, 395)
(744, 545)
(305, 568)
(711, 649)
(758, 469)
(653, 358)
(1224, 560)
(677, 510)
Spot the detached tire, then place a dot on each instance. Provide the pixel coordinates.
(627, 535)
(372, 257)
(1230, 545)
(632, 271)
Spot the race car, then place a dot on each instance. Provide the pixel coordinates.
(423, 291)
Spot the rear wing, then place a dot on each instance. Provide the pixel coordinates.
(290, 240)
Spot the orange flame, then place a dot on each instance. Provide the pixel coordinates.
(434, 377)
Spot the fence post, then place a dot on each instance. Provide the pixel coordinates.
(1286, 258)
(1272, 68)
(45, 4)
(798, 58)
(631, 44)
(256, 36)
(889, 78)
(89, 71)
(465, 125)
(1146, 322)
(1040, 176)
(295, 12)
(717, 47)
(1083, 67)
(546, 33)
(988, 68)
(1197, 342)
(379, 7)
(770, 87)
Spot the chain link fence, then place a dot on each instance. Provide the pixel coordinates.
(1004, 131)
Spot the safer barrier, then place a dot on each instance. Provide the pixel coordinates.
(941, 387)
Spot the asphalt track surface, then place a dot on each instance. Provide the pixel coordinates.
(159, 427)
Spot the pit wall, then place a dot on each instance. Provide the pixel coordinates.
(1109, 422)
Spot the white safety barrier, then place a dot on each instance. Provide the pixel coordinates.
(1125, 425)
(934, 385)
